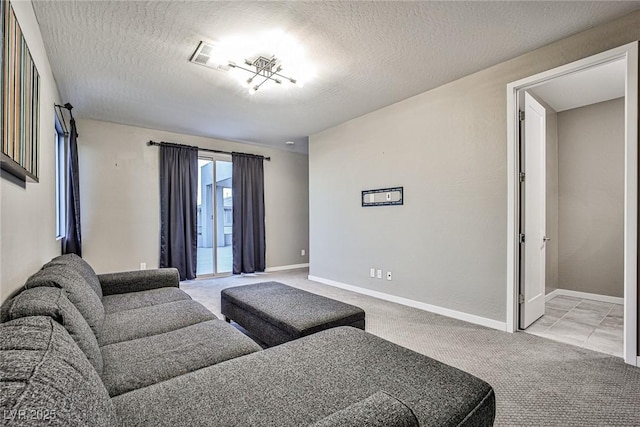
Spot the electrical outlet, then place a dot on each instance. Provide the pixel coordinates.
(303, 252)
(379, 274)
(143, 266)
(372, 272)
(388, 275)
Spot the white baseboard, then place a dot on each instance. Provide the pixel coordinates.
(471, 318)
(551, 294)
(638, 361)
(286, 267)
(583, 295)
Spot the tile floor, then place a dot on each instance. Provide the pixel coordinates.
(586, 323)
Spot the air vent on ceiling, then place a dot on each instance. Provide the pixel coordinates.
(203, 54)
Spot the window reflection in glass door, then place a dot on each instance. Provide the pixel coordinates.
(224, 217)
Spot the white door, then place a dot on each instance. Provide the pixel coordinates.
(532, 283)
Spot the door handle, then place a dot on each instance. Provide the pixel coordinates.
(546, 239)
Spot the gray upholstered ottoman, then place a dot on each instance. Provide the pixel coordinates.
(275, 313)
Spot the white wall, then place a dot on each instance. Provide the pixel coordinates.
(27, 212)
(591, 198)
(120, 204)
(447, 245)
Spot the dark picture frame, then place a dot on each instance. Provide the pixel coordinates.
(20, 107)
(383, 197)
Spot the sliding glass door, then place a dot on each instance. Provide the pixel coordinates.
(215, 216)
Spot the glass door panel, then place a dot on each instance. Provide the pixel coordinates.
(206, 238)
(224, 216)
(214, 217)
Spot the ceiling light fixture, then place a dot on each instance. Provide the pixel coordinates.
(263, 69)
(263, 56)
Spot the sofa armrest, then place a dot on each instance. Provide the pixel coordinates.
(139, 280)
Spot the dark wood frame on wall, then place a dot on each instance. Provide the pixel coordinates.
(390, 199)
(20, 107)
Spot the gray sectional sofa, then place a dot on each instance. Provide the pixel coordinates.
(132, 349)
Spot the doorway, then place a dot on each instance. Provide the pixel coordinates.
(528, 233)
(214, 216)
(575, 231)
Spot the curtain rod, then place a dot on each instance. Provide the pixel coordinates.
(68, 107)
(171, 144)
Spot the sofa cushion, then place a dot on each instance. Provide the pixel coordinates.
(45, 379)
(78, 291)
(134, 364)
(377, 410)
(153, 320)
(303, 381)
(53, 302)
(124, 282)
(81, 267)
(132, 300)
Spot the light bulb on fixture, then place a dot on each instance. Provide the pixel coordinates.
(297, 82)
(253, 90)
(246, 83)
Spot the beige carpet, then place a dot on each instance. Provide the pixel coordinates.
(538, 382)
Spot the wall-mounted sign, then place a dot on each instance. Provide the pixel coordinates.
(382, 197)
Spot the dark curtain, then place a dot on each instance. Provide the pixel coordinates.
(72, 242)
(248, 233)
(178, 205)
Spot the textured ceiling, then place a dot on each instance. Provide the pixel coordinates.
(128, 61)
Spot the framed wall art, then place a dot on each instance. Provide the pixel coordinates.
(383, 197)
(20, 93)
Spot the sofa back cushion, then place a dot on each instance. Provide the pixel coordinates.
(45, 378)
(76, 263)
(378, 410)
(53, 302)
(79, 292)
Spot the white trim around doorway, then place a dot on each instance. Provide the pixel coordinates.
(629, 53)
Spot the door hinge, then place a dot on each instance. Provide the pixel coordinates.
(521, 115)
(522, 175)
(520, 299)
(521, 238)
